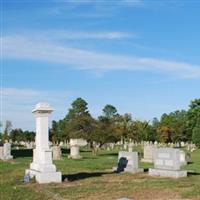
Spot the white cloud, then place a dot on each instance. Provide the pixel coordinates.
(18, 103)
(69, 35)
(26, 48)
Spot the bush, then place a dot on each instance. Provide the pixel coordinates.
(196, 136)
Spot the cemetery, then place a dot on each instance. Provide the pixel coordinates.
(71, 169)
(100, 100)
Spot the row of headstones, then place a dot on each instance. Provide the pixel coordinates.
(129, 146)
(75, 144)
(167, 163)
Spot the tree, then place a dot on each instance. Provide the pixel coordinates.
(196, 136)
(78, 120)
(54, 132)
(109, 111)
(106, 125)
(193, 117)
(139, 130)
(8, 128)
(17, 135)
(123, 126)
(152, 134)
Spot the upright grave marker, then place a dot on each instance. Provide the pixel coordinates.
(42, 167)
(127, 162)
(56, 152)
(5, 151)
(148, 153)
(75, 145)
(167, 163)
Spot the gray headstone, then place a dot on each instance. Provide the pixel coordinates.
(127, 162)
(167, 163)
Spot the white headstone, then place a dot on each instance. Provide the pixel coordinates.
(5, 151)
(42, 167)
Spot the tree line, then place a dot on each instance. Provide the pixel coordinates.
(180, 125)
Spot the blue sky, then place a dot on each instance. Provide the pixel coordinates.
(141, 56)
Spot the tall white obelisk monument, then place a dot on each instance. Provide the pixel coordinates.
(42, 167)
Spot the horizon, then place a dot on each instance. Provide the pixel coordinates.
(141, 57)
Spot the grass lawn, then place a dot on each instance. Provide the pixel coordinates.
(92, 178)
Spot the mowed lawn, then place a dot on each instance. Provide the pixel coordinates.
(92, 178)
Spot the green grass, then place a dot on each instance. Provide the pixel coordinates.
(92, 178)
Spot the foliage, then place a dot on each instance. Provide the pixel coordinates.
(79, 123)
(17, 135)
(196, 136)
(193, 117)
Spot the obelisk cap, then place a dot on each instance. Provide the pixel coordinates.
(42, 107)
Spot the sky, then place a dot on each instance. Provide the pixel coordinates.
(141, 56)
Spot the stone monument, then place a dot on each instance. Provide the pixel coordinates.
(42, 167)
(75, 145)
(148, 153)
(183, 158)
(5, 151)
(127, 162)
(1, 152)
(56, 151)
(167, 163)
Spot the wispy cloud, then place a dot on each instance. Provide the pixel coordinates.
(24, 48)
(92, 8)
(18, 104)
(69, 35)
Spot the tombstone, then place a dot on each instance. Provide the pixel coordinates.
(167, 163)
(61, 144)
(75, 145)
(130, 147)
(112, 146)
(42, 167)
(56, 152)
(5, 151)
(183, 158)
(182, 144)
(148, 153)
(1, 153)
(125, 146)
(127, 162)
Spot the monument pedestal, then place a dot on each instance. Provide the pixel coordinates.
(167, 173)
(75, 145)
(75, 152)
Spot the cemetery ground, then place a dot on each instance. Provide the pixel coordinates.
(92, 178)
